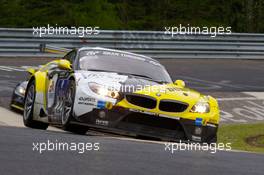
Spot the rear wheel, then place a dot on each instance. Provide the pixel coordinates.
(29, 108)
(68, 112)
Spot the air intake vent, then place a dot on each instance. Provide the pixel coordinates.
(142, 101)
(172, 106)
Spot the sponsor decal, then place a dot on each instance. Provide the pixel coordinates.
(101, 122)
(87, 99)
(89, 53)
(104, 104)
(101, 104)
(173, 89)
(198, 121)
(196, 138)
(85, 103)
(108, 76)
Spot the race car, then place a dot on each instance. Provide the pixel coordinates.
(17, 100)
(116, 91)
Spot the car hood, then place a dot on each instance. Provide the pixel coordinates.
(171, 92)
(137, 85)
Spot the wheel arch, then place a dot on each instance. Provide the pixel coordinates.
(40, 83)
(72, 77)
(32, 78)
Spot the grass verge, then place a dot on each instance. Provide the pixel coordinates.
(246, 137)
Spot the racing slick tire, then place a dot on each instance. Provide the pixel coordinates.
(29, 108)
(68, 112)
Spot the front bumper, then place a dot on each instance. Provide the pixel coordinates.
(124, 121)
(17, 102)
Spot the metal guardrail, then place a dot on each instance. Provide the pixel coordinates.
(22, 42)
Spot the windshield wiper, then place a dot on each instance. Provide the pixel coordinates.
(142, 76)
(98, 70)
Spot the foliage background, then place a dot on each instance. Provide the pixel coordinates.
(241, 15)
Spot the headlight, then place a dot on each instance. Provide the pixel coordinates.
(20, 91)
(104, 91)
(201, 107)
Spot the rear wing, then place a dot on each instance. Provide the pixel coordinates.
(46, 48)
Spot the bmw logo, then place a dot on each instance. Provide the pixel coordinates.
(158, 94)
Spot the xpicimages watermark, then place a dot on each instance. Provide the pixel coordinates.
(194, 30)
(182, 146)
(60, 30)
(79, 147)
(128, 88)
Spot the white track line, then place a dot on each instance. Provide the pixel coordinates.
(17, 69)
(257, 95)
(12, 68)
(5, 69)
(254, 96)
(10, 118)
(238, 99)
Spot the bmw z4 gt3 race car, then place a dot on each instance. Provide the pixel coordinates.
(118, 92)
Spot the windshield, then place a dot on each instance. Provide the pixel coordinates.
(123, 63)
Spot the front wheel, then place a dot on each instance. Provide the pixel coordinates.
(68, 112)
(29, 109)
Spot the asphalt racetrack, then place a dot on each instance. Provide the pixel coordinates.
(237, 84)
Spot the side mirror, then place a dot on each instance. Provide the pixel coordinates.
(31, 71)
(64, 64)
(180, 83)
